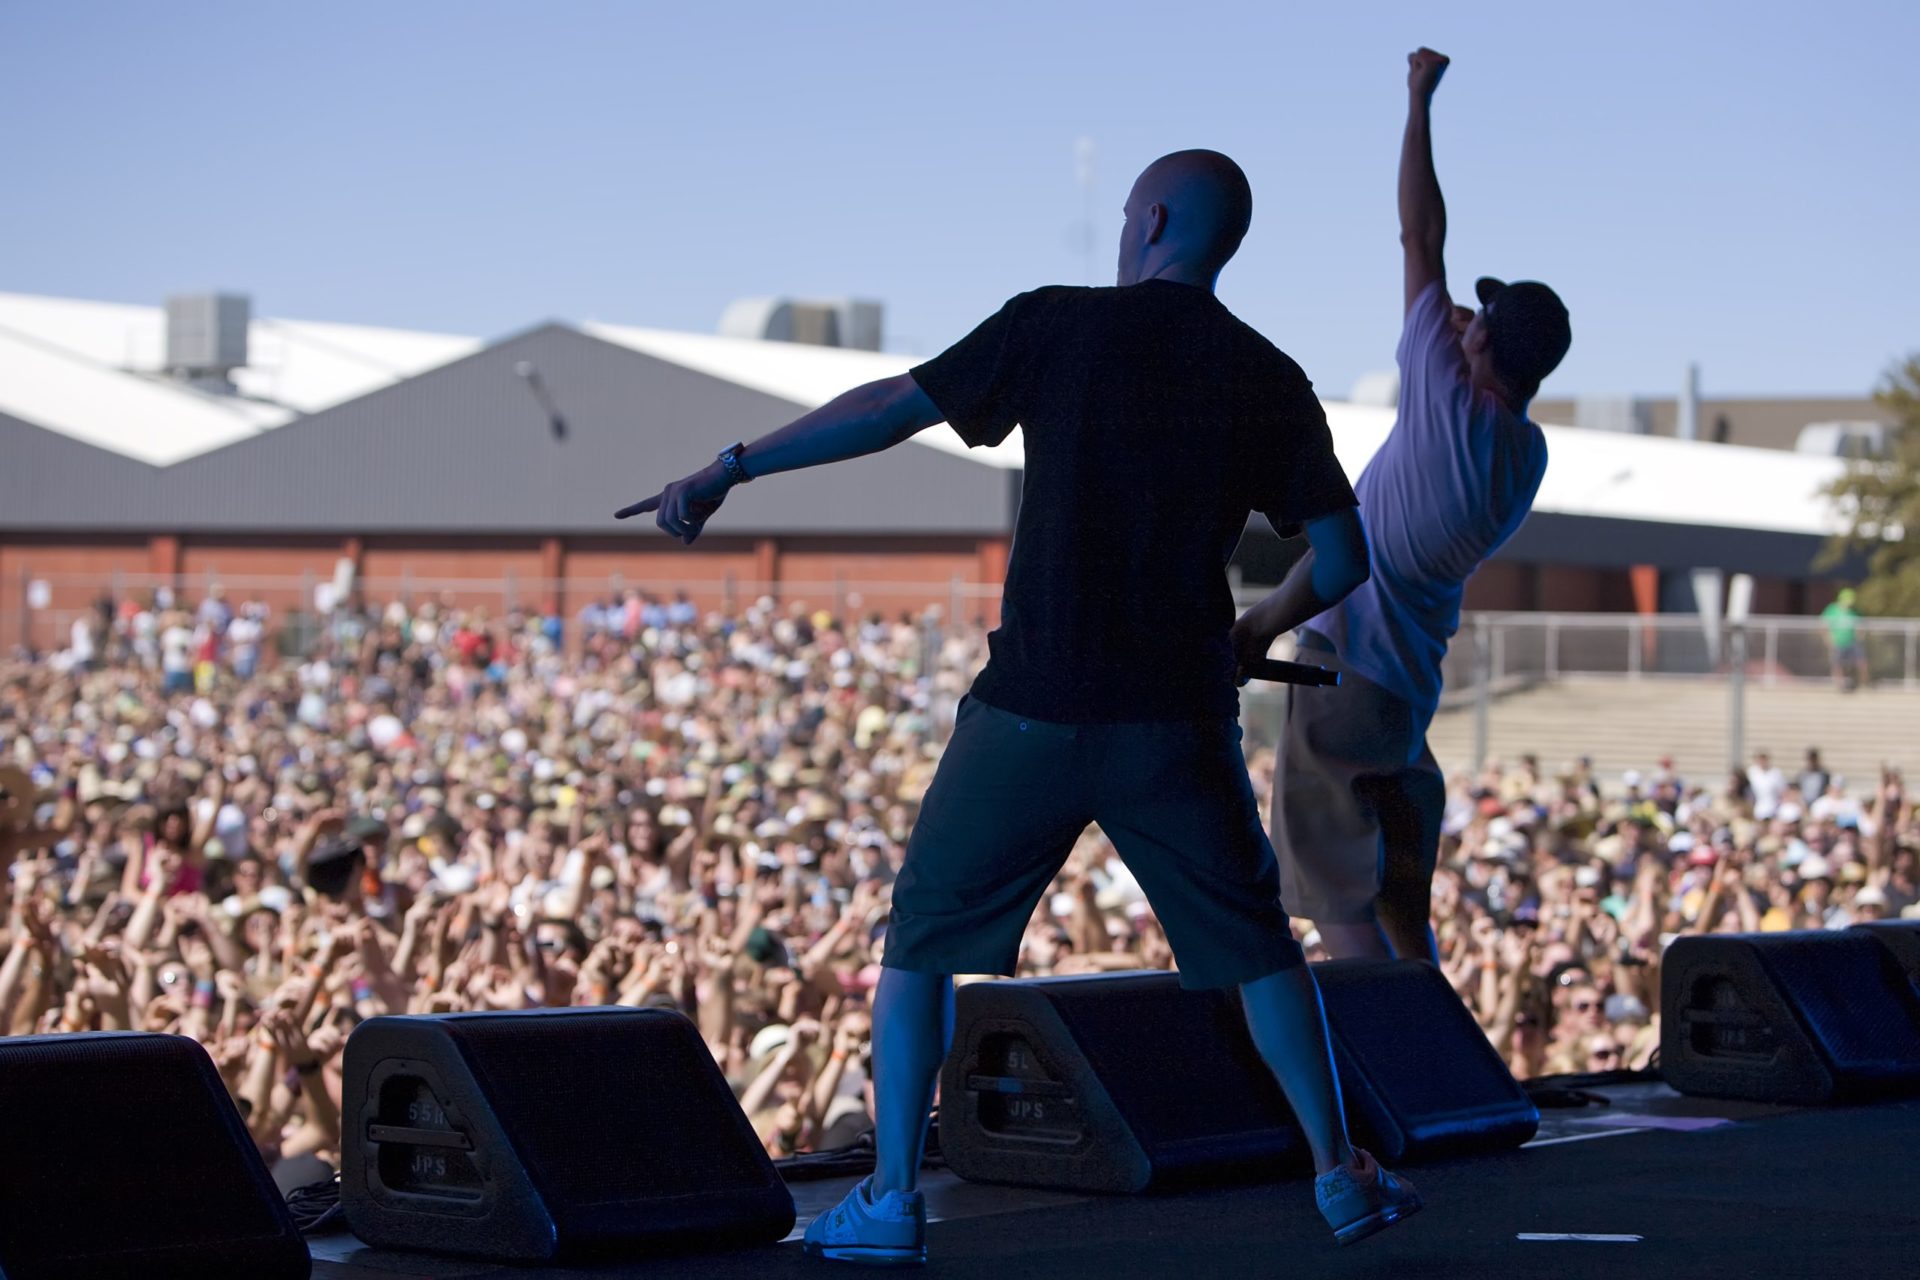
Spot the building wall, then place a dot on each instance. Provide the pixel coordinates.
(281, 573)
(77, 572)
(841, 574)
(496, 575)
(715, 572)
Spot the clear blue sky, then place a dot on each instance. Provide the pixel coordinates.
(1728, 182)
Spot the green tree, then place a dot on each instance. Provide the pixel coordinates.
(1880, 500)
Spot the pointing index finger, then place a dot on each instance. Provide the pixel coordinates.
(638, 508)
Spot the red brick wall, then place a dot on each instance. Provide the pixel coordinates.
(281, 573)
(76, 571)
(847, 575)
(592, 568)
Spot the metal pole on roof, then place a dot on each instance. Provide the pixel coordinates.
(1687, 421)
(1737, 695)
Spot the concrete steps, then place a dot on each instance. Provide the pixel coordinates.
(1629, 724)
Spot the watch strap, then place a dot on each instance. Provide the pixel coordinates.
(730, 463)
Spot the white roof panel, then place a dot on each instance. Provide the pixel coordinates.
(91, 371)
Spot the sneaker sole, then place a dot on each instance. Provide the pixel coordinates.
(1373, 1223)
(869, 1255)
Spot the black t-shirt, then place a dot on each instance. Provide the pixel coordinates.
(1155, 422)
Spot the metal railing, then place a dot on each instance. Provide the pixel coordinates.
(1503, 649)
(1496, 654)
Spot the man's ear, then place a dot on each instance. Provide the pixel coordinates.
(1156, 223)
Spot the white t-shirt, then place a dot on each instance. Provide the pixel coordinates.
(176, 649)
(1768, 785)
(1453, 480)
(384, 730)
(243, 633)
(82, 640)
(144, 625)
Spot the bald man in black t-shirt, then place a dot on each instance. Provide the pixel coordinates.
(1154, 423)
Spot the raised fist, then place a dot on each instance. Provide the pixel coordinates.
(1424, 69)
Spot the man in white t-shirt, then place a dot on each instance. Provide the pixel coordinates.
(1768, 784)
(82, 648)
(176, 654)
(146, 637)
(244, 634)
(1358, 798)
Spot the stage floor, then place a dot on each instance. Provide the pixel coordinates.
(1708, 1188)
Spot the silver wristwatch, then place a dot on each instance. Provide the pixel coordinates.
(730, 463)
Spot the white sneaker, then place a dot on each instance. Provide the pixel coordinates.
(1362, 1198)
(889, 1232)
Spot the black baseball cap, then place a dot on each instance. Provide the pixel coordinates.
(333, 865)
(1528, 326)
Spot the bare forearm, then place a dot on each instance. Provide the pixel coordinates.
(258, 1089)
(226, 952)
(322, 1115)
(10, 983)
(1423, 213)
(763, 1084)
(1291, 604)
(853, 424)
(140, 927)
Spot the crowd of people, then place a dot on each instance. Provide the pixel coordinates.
(435, 810)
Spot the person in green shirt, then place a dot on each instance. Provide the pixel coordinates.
(1843, 634)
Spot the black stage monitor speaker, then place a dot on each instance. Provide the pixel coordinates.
(123, 1158)
(1127, 1082)
(1806, 1018)
(1112, 1082)
(1420, 1078)
(1902, 937)
(553, 1133)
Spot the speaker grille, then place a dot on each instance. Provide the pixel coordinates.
(118, 1145)
(654, 1117)
(1844, 987)
(1393, 1018)
(1177, 1063)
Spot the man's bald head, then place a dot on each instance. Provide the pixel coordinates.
(1188, 210)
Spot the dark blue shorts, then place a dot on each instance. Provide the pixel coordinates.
(1011, 796)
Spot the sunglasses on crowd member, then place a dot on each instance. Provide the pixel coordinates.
(1585, 1006)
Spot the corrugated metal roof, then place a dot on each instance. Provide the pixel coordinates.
(91, 371)
(465, 448)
